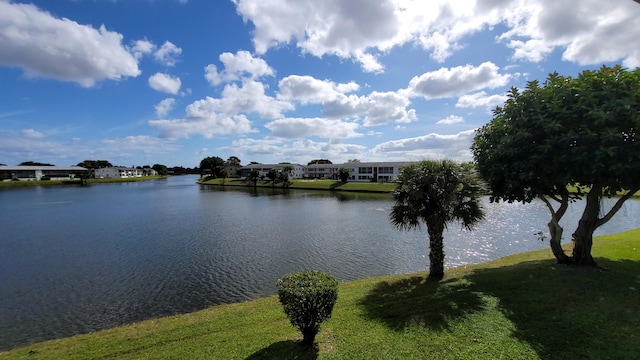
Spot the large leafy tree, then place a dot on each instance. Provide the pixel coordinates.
(344, 174)
(214, 164)
(160, 169)
(436, 193)
(578, 132)
(34, 163)
(319, 161)
(233, 161)
(92, 165)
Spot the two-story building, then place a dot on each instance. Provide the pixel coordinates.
(263, 169)
(117, 172)
(41, 172)
(360, 171)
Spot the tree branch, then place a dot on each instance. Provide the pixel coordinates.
(617, 206)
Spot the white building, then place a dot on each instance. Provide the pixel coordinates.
(117, 172)
(40, 172)
(297, 173)
(360, 171)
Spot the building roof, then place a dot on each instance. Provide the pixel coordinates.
(34, 168)
(363, 164)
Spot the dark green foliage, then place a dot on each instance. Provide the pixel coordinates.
(213, 163)
(319, 161)
(308, 298)
(160, 169)
(34, 163)
(344, 174)
(568, 131)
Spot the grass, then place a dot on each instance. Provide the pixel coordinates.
(17, 184)
(357, 186)
(519, 307)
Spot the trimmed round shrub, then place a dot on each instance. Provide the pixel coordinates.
(308, 298)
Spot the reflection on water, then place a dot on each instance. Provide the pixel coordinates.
(80, 259)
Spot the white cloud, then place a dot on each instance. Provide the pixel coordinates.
(298, 151)
(45, 46)
(342, 28)
(481, 99)
(251, 98)
(165, 83)
(165, 106)
(376, 108)
(588, 31)
(142, 47)
(242, 65)
(451, 119)
(225, 115)
(431, 146)
(309, 90)
(208, 126)
(292, 128)
(456, 81)
(32, 134)
(168, 54)
(146, 144)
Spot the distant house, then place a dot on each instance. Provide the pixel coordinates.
(118, 172)
(26, 173)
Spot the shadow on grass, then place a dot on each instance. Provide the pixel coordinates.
(286, 350)
(563, 312)
(422, 301)
(336, 185)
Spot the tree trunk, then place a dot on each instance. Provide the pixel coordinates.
(555, 230)
(583, 236)
(436, 251)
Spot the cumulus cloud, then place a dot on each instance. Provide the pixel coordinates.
(324, 128)
(167, 54)
(45, 46)
(587, 32)
(343, 28)
(144, 143)
(456, 81)
(451, 119)
(481, 99)
(142, 47)
(23, 145)
(309, 90)
(225, 115)
(430, 146)
(32, 134)
(165, 106)
(296, 151)
(165, 83)
(241, 65)
(376, 108)
(250, 97)
(210, 125)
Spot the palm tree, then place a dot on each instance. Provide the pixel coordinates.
(436, 193)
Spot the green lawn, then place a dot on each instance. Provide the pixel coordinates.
(384, 187)
(12, 184)
(519, 307)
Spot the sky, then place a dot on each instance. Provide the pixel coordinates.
(143, 82)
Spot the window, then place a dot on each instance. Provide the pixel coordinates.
(365, 170)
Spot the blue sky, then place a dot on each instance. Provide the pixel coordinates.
(140, 82)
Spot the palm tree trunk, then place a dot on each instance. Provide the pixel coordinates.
(436, 251)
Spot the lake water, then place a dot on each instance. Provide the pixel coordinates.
(80, 259)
